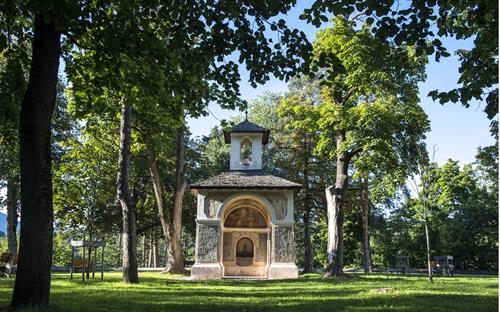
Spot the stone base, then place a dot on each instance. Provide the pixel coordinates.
(257, 269)
(206, 271)
(282, 271)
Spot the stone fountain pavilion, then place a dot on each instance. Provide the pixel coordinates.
(244, 223)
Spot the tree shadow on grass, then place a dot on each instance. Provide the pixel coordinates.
(252, 302)
(312, 294)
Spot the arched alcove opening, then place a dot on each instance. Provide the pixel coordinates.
(244, 252)
(245, 224)
(246, 152)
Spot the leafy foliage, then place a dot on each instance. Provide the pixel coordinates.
(422, 24)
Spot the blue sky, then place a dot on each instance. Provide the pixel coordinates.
(456, 132)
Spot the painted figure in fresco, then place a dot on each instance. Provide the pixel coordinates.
(242, 218)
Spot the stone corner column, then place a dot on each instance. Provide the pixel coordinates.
(283, 253)
(207, 264)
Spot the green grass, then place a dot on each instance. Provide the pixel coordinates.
(159, 292)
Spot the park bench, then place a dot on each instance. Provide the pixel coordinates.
(443, 265)
(402, 264)
(8, 264)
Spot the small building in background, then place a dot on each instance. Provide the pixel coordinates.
(245, 217)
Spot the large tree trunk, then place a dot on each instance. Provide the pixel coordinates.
(32, 287)
(365, 216)
(175, 259)
(428, 243)
(335, 198)
(12, 215)
(308, 249)
(129, 265)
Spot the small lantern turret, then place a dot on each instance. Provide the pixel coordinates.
(246, 141)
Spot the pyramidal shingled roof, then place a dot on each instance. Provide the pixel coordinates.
(247, 127)
(247, 179)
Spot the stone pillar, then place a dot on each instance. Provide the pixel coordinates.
(207, 265)
(283, 253)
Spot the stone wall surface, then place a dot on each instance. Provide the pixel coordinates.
(284, 247)
(208, 239)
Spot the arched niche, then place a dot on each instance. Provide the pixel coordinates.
(244, 252)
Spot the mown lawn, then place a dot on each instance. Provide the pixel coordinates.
(159, 292)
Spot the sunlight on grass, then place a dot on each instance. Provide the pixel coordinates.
(158, 292)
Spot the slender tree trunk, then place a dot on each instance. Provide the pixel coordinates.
(143, 262)
(12, 215)
(171, 224)
(365, 216)
(156, 258)
(175, 262)
(120, 250)
(32, 287)
(150, 251)
(130, 274)
(427, 239)
(335, 203)
(163, 212)
(308, 249)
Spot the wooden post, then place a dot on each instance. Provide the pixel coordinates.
(93, 267)
(83, 264)
(102, 263)
(72, 265)
(89, 262)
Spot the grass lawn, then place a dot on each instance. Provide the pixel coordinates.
(309, 293)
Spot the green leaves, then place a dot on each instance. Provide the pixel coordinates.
(370, 94)
(421, 24)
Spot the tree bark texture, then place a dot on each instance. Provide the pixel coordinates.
(129, 243)
(335, 205)
(365, 217)
(32, 287)
(12, 197)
